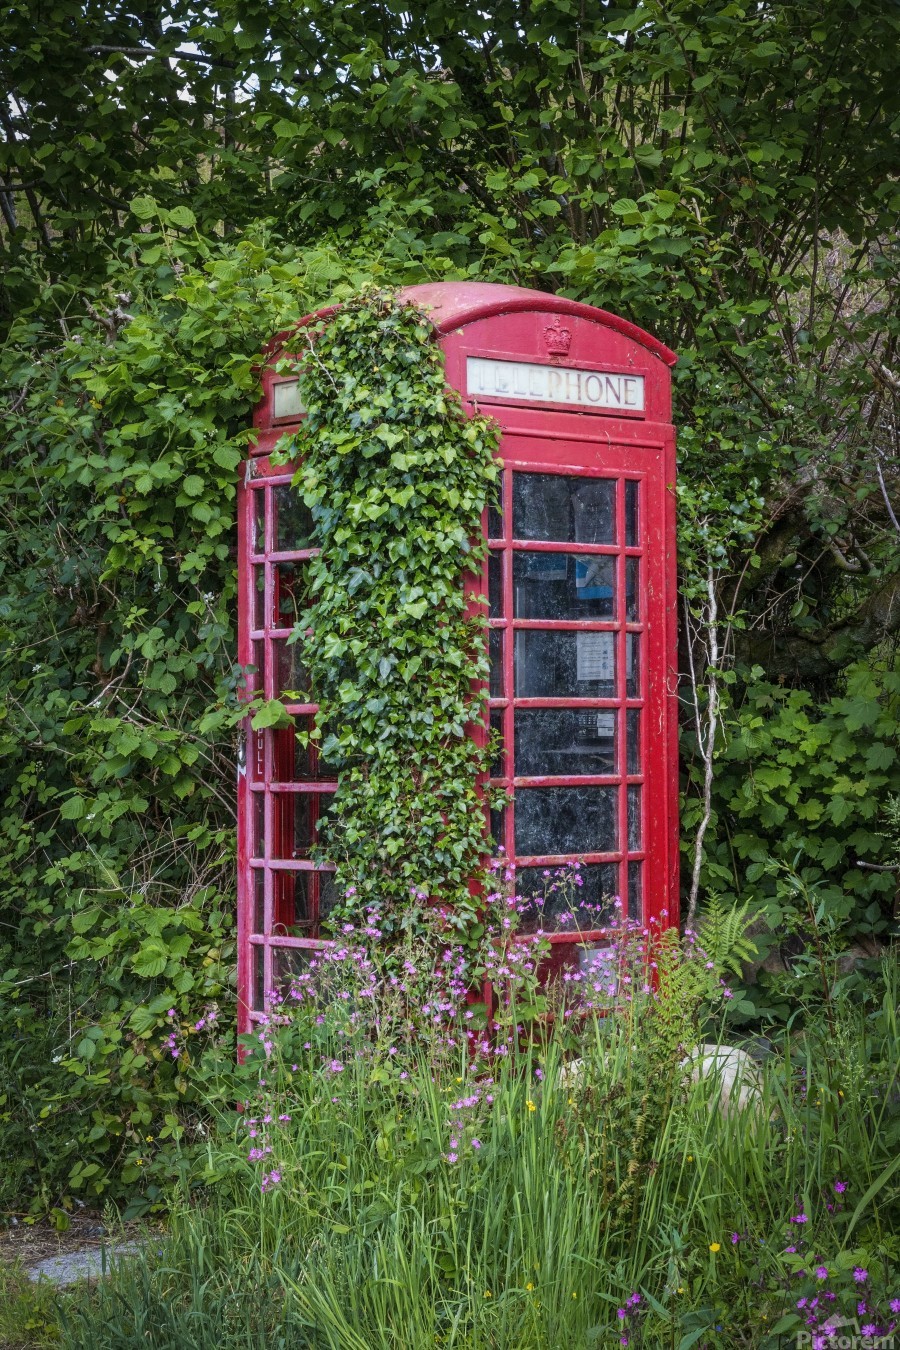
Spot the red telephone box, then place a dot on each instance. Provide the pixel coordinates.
(580, 580)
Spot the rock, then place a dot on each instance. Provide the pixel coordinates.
(91, 1263)
(740, 1081)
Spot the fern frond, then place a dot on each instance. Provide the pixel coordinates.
(722, 933)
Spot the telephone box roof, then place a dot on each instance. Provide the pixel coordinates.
(453, 304)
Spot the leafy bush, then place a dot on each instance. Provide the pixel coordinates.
(800, 797)
(118, 704)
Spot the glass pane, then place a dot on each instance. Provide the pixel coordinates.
(290, 673)
(495, 653)
(258, 825)
(498, 826)
(635, 896)
(634, 817)
(258, 512)
(257, 676)
(632, 664)
(291, 911)
(495, 522)
(289, 598)
(257, 977)
(258, 917)
(495, 585)
(559, 820)
(564, 742)
(563, 586)
(293, 825)
(285, 755)
(560, 664)
(293, 520)
(498, 760)
(631, 513)
(633, 717)
(632, 589)
(329, 895)
(567, 898)
(323, 810)
(289, 966)
(320, 767)
(258, 611)
(565, 510)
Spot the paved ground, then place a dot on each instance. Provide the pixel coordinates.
(87, 1263)
(76, 1254)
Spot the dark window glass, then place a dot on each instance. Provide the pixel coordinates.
(633, 664)
(634, 817)
(259, 520)
(495, 522)
(258, 674)
(631, 512)
(320, 767)
(563, 586)
(498, 760)
(289, 596)
(567, 898)
(495, 652)
(551, 506)
(634, 739)
(329, 895)
(289, 761)
(259, 900)
(293, 520)
(498, 826)
(564, 664)
(564, 742)
(291, 909)
(632, 591)
(293, 825)
(560, 820)
(290, 673)
(258, 842)
(258, 618)
(257, 978)
(635, 895)
(495, 585)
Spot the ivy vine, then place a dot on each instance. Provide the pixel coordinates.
(396, 475)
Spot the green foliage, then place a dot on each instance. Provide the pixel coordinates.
(397, 477)
(118, 703)
(799, 802)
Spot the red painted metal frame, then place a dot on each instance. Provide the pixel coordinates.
(508, 323)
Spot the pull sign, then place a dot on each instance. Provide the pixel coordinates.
(529, 382)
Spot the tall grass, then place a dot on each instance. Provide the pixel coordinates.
(418, 1199)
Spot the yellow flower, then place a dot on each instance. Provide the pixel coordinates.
(459, 1080)
(529, 1286)
(149, 1138)
(487, 1293)
(679, 1291)
(690, 1157)
(530, 1104)
(715, 1246)
(574, 1295)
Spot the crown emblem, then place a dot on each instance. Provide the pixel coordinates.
(557, 339)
